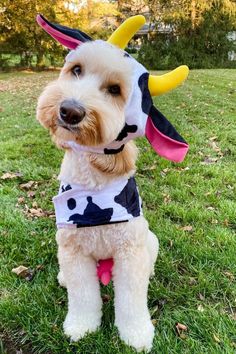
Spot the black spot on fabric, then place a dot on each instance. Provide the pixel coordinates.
(113, 151)
(129, 198)
(126, 55)
(164, 126)
(125, 130)
(71, 203)
(65, 188)
(146, 96)
(93, 215)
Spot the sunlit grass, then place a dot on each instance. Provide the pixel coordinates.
(190, 206)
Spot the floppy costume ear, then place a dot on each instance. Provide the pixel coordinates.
(68, 37)
(160, 133)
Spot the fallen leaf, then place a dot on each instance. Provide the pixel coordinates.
(201, 297)
(11, 175)
(192, 281)
(19, 270)
(30, 194)
(182, 168)
(207, 193)
(229, 275)
(39, 267)
(214, 221)
(151, 168)
(154, 310)
(106, 298)
(35, 205)
(27, 185)
(216, 339)
(186, 228)
(209, 160)
(180, 329)
(24, 272)
(36, 212)
(211, 208)
(21, 200)
(234, 316)
(200, 308)
(167, 198)
(226, 222)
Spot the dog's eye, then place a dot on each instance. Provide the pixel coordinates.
(114, 90)
(76, 70)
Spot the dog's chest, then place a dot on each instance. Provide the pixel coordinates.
(119, 201)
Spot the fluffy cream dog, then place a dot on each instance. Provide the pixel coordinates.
(85, 111)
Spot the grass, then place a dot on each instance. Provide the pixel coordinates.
(196, 269)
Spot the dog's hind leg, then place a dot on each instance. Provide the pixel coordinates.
(153, 248)
(131, 273)
(84, 300)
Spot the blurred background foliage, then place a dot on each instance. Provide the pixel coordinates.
(199, 33)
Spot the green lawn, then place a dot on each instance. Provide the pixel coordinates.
(190, 206)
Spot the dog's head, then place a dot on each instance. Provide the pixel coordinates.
(102, 98)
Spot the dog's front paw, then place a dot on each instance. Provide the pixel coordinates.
(138, 334)
(77, 327)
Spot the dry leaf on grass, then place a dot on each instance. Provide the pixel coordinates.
(209, 160)
(186, 228)
(166, 198)
(181, 329)
(38, 212)
(216, 148)
(24, 272)
(229, 275)
(11, 175)
(21, 200)
(106, 298)
(200, 308)
(192, 281)
(154, 322)
(27, 185)
(30, 194)
(216, 339)
(201, 297)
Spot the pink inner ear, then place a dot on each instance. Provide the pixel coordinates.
(65, 40)
(172, 150)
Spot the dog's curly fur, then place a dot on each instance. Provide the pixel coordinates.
(132, 245)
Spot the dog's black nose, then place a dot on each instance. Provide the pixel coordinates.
(71, 112)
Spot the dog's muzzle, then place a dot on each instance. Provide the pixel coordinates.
(71, 112)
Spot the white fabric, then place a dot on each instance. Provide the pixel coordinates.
(103, 198)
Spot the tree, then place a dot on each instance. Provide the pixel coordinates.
(197, 32)
(20, 34)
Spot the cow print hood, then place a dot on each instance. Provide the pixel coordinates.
(141, 119)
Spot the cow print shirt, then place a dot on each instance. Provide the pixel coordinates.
(117, 202)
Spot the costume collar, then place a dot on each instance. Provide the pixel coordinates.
(77, 206)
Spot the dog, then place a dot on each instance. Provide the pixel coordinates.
(98, 105)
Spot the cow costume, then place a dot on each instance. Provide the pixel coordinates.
(118, 201)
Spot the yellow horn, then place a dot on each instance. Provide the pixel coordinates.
(126, 31)
(161, 84)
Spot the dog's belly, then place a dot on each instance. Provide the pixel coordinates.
(105, 241)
